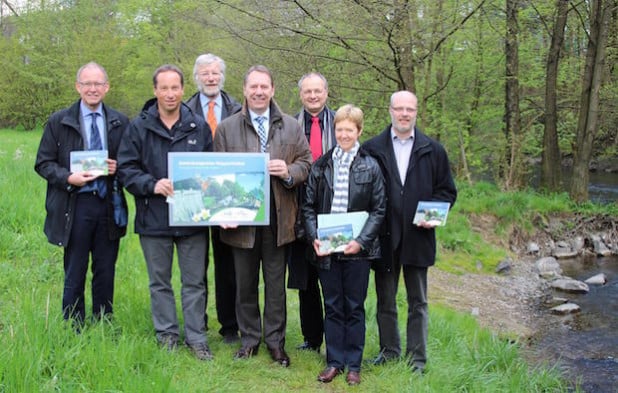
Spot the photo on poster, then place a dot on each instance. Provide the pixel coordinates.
(219, 188)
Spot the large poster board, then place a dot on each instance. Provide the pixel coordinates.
(219, 188)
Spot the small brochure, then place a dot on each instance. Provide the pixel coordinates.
(336, 230)
(92, 161)
(434, 213)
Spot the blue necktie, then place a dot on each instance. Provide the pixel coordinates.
(261, 132)
(96, 144)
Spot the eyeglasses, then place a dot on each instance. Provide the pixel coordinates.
(90, 85)
(401, 109)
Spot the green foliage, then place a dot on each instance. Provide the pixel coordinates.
(450, 53)
(465, 250)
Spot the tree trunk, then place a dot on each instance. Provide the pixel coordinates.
(551, 162)
(587, 126)
(514, 175)
(403, 39)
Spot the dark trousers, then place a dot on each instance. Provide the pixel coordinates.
(247, 262)
(225, 284)
(415, 279)
(345, 289)
(310, 307)
(89, 236)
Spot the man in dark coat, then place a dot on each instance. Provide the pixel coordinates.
(80, 209)
(167, 125)
(214, 105)
(315, 117)
(416, 168)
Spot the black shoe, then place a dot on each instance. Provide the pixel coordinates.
(279, 356)
(307, 346)
(382, 358)
(417, 368)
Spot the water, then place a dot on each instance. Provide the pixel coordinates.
(602, 186)
(585, 344)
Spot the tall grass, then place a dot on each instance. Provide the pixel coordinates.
(39, 352)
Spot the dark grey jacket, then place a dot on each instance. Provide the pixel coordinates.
(142, 161)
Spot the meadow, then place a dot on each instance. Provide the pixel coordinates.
(39, 352)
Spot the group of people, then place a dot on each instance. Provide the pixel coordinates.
(317, 165)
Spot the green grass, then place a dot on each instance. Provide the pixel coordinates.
(40, 353)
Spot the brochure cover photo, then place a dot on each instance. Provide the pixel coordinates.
(434, 213)
(334, 239)
(219, 188)
(336, 230)
(92, 161)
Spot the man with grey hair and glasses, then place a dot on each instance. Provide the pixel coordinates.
(214, 105)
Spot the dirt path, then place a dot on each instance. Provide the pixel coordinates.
(505, 304)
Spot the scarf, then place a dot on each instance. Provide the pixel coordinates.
(342, 161)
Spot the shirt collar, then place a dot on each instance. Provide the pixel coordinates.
(205, 100)
(87, 111)
(395, 136)
(265, 114)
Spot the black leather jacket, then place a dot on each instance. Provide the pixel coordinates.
(366, 193)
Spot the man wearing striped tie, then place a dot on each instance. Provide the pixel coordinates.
(262, 127)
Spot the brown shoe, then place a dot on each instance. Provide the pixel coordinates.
(328, 374)
(246, 352)
(353, 378)
(279, 356)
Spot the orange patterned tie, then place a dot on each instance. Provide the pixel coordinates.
(212, 118)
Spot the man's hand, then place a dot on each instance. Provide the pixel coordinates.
(316, 248)
(164, 187)
(278, 168)
(111, 166)
(353, 247)
(79, 179)
(426, 224)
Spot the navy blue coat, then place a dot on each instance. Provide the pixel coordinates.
(60, 137)
(428, 179)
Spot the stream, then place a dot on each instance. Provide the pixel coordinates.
(585, 344)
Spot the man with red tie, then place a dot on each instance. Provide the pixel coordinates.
(316, 120)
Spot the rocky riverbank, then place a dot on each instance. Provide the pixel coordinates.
(517, 301)
(512, 301)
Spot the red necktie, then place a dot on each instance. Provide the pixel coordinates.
(211, 117)
(315, 138)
